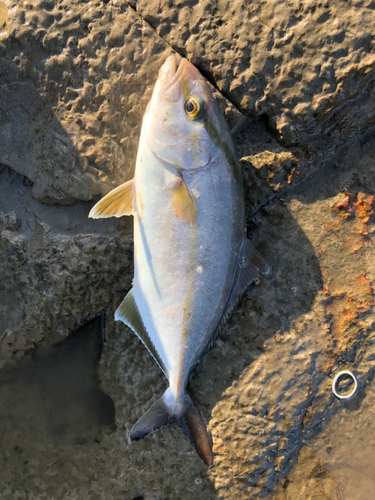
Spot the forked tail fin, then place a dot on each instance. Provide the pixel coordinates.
(166, 411)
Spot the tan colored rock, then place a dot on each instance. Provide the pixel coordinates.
(278, 170)
(74, 81)
(75, 85)
(309, 68)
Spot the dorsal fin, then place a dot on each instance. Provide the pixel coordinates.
(129, 314)
(250, 265)
(116, 203)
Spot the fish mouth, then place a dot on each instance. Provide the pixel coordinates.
(174, 78)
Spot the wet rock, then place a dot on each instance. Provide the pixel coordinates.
(58, 268)
(74, 82)
(73, 93)
(8, 221)
(309, 69)
(57, 387)
(268, 167)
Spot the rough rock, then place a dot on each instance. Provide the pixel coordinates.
(307, 68)
(74, 86)
(57, 268)
(272, 393)
(294, 62)
(74, 82)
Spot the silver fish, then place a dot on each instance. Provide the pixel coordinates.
(192, 261)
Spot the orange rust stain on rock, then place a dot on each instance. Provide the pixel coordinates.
(328, 365)
(345, 309)
(363, 286)
(347, 206)
(349, 295)
(361, 207)
(364, 207)
(334, 226)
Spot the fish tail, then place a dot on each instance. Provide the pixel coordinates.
(193, 426)
(166, 411)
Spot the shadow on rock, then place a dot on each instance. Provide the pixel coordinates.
(53, 395)
(254, 406)
(73, 89)
(335, 209)
(58, 267)
(255, 382)
(63, 79)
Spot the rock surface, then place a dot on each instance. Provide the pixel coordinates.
(307, 67)
(58, 268)
(74, 82)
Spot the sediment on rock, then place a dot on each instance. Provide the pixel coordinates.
(296, 82)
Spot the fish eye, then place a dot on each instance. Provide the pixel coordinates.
(193, 107)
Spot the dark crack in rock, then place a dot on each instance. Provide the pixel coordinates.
(75, 79)
(307, 68)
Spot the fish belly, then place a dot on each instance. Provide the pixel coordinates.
(183, 275)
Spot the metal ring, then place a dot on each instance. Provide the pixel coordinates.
(335, 380)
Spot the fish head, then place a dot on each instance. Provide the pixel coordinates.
(184, 126)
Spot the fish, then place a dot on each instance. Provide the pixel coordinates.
(192, 259)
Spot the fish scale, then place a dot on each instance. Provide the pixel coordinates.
(192, 261)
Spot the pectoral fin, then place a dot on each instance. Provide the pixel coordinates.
(183, 203)
(250, 266)
(118, 202)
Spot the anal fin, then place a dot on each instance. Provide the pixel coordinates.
(116, 203)
(129, 314)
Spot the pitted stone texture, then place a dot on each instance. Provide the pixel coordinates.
(265, 387)
(268, 168)
(74, 83)
(320, 246)
(58, 268)
(75, 80)
(309, 67)
(339, 462)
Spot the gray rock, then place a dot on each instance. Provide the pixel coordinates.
(58, 268)
(296, 84)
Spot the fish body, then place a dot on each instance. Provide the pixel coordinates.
(192, 261)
